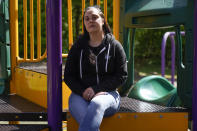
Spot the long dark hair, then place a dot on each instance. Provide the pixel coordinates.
(106, 27)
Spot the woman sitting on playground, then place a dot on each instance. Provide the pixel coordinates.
(95, 68)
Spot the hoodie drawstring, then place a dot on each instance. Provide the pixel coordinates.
(106, 65)
(97, 76)
(81, 64)
(107, 59)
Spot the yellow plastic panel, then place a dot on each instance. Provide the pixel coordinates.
(140, 122)
(33, 86)
(65, 95)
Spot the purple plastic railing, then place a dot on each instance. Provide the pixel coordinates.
(163, 52)
(54, 64)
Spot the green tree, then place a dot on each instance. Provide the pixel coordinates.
(148, 46)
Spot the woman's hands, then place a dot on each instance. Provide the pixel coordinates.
(89, 93)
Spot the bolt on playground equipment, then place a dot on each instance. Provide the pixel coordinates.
(32, 82)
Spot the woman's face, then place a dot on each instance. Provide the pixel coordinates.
(93, 21)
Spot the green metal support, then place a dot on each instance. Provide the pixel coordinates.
(129, 43)
(126, 43)
(4, 44)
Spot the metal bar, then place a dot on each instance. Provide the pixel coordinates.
(105, 9)
(25, 27)
(23, 116)
(172, 58)
(91, 2)
(82, 10)
(54, 63)
(179, 43)
(116, 14)
(39, 57)
(64, 55)
(163, 52)
(70, 29)
(28, 116)
(38, 30)
(131, 62)
(173, 55)
(194, 99)
(31, 30)
(98, 2)
(19, 60)
(126, 43)
(14, 40)
(129, 43)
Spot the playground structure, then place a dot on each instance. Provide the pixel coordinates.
(163, 52)
(29, 80)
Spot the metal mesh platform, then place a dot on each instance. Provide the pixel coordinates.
(17, 104)
(22, 127)
(133, 105)
(40, 67)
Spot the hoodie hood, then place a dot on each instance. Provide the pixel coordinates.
(82, 41)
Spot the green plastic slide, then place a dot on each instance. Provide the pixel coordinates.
(154, 89)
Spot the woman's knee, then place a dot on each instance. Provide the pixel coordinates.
(98, 103)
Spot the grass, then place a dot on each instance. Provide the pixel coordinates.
(142, 70)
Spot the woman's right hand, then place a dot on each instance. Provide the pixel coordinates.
(88, 94)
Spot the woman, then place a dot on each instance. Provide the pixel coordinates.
(95, 68)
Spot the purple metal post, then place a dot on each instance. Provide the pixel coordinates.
(54, 64)
(163, 52)
(172, 58)
(194, 100)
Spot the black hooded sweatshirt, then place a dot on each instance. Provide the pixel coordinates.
(103, 68)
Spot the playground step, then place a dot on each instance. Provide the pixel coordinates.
(16, 108)
(135, 115)
(134, 105)
(17, 104)
(24, 127)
